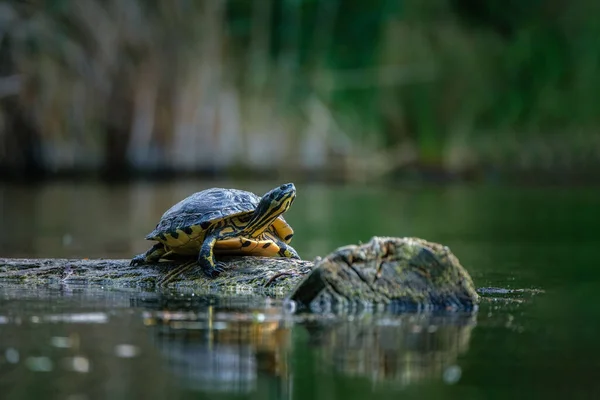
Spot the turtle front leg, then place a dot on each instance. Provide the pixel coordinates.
(153, 255)
(206, 258)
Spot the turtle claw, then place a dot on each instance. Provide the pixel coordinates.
(216, 270)
(137, 260)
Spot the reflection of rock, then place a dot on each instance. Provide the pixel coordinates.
(402, 349)
(223, 351)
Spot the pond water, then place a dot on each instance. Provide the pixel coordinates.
(539, 340)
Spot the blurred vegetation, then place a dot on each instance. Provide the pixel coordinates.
(361, 88)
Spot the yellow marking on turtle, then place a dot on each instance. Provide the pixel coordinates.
(285, 252)
(245, 246)
(283, 230)
(180, 238)
(197, 230)
(239, 222)
(168, 253)
(227, 229)
(256, 227)
(156, 252)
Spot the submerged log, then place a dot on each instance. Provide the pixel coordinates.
(403, 272)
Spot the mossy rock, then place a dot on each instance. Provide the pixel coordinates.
(403, 273)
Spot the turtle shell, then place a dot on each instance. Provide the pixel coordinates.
(183, 227)
(203, 209)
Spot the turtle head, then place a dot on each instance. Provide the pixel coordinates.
(279, 199)
(274, 203)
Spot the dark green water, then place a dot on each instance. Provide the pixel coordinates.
(66, 342)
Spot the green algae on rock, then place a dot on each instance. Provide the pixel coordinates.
(403, 273)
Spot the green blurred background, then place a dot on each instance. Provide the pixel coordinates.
(328, 89)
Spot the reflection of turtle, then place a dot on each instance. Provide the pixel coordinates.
(223, 221)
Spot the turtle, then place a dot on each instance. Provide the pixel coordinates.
(222, 221)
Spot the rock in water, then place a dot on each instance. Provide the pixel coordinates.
(401, 273)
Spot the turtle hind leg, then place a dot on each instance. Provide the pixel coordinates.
(285, 250)
(171, 275)
(288, 251)
(153, 255)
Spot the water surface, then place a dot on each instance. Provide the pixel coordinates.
(70, 342)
